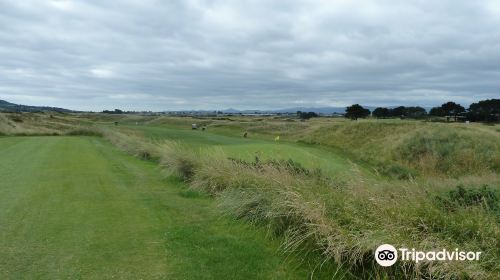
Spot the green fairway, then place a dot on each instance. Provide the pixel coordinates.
(332, 162)
(77, 208)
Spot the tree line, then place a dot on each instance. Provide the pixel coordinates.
(482, 111)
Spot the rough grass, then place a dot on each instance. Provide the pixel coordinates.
(85, 131)
(133, 144)
(341, 221)
(38, 124)
(408, 148)
(345, 224)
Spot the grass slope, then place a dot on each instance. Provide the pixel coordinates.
(327, 159)
(75, 207)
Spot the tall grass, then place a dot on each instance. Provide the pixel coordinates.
(85, 131)
(133, 144)
(406, 149)
(450, 152)
(341, 222)
(39, 124)
(344, 221)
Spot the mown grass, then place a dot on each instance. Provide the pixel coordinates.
(77, 208)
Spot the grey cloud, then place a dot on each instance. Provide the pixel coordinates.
(164, 55)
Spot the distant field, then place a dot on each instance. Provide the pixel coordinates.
(76, 208)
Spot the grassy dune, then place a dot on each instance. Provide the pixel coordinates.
(75, 207)
(39, 123)
(429, 149)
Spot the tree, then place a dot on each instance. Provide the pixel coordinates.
(447, 109)
(116, 111)
(398, 111)
(485, 110)
(437, 111)
(306, 115)
(356, 111)
(415, 112)
(452, 108)
(381, 112)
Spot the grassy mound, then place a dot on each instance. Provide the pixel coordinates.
(23, 124)
(343, 221)
(404, 149)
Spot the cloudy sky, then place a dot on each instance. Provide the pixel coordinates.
(260, 54)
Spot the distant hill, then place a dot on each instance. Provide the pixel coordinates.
(11, 107)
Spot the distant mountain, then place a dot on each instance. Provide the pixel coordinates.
(231, 111)
(11, 107)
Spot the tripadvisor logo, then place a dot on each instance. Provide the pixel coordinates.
(387, 255)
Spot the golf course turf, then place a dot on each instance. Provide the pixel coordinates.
(76, 207)
(330, 161)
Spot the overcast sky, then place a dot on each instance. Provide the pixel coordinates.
(193, 54)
